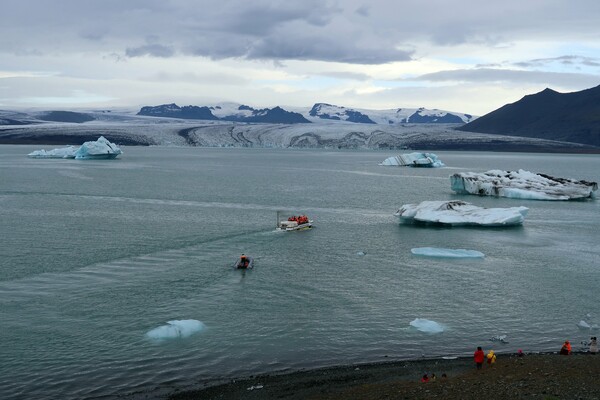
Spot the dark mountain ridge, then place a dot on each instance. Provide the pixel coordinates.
(569, 117)
(276, 115)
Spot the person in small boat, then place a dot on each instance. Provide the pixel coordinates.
(243, 261)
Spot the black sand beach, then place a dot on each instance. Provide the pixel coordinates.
(542, 376)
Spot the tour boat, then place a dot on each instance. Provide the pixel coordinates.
(294, 223)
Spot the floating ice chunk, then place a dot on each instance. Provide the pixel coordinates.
(414, 160)
(176, 329)
(459, 212)
(65, 152)
(427, 326)
(446, 253)
(584, 325)
(521, 184)
(100, 149)
(499, 338)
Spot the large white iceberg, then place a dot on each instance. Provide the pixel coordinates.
(457, 212)
(176, 329)
(521, 184)
(101, 149)
(426, 325)
(446, 253)
(414, 160)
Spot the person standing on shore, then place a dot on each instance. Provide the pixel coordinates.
(479, 357)
(566, 348)
(491, 358)
(593, 345)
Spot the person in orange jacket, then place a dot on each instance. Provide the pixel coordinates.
(566, 348)
(479, 357)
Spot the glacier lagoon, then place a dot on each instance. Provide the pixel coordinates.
(95, 255)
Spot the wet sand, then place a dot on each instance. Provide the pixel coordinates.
(542, 376)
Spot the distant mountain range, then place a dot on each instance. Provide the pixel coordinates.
(568, 117)
(318, 113)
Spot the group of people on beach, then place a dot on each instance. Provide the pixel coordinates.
(480, 357)
(566, 347)
(426, 378)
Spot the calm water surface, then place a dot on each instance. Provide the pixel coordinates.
(94, 254)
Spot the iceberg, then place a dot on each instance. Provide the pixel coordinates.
(429, 160)
(457, 212)
(521, 184)
(427, 326)
(176, 329)
(446, 253)
(101, 149)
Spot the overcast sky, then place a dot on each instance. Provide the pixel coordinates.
(468, 56)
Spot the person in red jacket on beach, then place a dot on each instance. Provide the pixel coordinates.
(566, 348)
(479, 357)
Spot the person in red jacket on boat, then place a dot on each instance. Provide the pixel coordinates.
(479, 357)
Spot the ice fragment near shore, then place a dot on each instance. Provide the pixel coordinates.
(446, 253)
(426, 325)
(176, 329)
(521, 184)
(459, 212)
(583, 325)
(100, 149)
(429, 160)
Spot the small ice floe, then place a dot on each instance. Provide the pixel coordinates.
(101, 149)
(446, 253)
(423, 160)
(499, 338)
(176, 329)
(584, 325)
(457, 212)
(254, 387)
(427, 326)
(521, 184)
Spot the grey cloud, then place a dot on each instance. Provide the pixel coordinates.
(324, 50)
(565, 60)
(351, 31)
(489, 75)
(155, 50)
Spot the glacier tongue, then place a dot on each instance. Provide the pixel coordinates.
(521, 184)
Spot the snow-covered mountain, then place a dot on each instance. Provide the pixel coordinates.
(326, 111)
(317, 113)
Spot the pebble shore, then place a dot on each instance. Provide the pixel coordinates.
(533, 376)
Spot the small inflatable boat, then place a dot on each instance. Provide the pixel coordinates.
(244, 262)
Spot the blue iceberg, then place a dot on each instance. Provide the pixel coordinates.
(426, 160)
(176, 329)
(446, 253)
(426, 325)
(457, 212)
(101, 149)
(521, 184)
